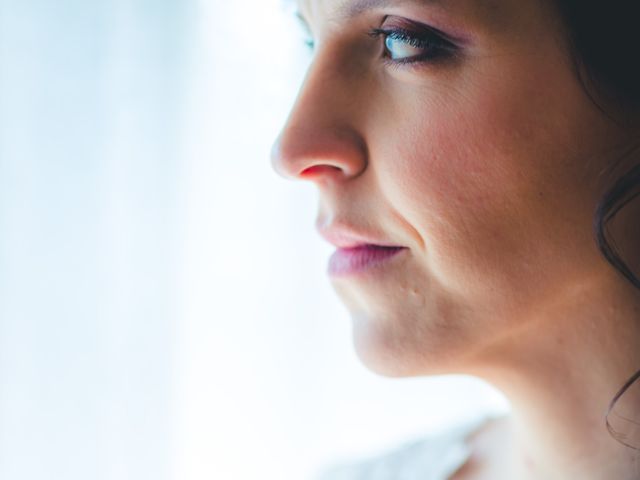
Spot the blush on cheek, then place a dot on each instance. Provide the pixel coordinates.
(454, 165)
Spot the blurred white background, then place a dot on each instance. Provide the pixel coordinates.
(164, 309)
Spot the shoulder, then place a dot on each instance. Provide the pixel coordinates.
(433, 457)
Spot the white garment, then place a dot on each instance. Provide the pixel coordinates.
(435, 457)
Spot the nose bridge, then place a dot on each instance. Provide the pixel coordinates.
(321, 135)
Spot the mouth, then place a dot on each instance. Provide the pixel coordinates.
(357, 259)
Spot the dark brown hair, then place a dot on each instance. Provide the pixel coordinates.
(604, 39)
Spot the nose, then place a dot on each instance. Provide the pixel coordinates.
(320, 140)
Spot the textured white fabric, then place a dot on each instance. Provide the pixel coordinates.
(435, 457)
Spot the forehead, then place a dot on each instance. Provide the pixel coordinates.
(350, 8)
(354, 7)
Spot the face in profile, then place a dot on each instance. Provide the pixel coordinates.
(458, 161)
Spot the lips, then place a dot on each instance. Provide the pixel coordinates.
(348, 261)
(356, 251)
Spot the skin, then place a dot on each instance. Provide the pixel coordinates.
(488, 167)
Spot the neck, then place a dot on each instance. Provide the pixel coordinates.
(560, 376)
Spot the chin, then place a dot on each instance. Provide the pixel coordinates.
(398, 330)
(389, 350)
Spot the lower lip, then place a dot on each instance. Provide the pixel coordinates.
(349, 261)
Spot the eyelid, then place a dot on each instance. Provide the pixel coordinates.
(418, 29)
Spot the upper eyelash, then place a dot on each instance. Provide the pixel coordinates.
(399, 34)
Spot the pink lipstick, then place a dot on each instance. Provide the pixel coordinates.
(348, 261)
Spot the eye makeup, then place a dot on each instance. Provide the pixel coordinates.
(409, 42)
(404, 42)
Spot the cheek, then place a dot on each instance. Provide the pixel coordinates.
(482, 183)
(457, 151)
(444, 166)
(457, 172)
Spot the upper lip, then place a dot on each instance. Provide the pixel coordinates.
(344, 236)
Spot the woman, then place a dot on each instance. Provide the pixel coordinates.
(462, 150)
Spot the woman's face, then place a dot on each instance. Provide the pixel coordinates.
(458, 130)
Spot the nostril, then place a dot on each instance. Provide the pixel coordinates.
(317, 170)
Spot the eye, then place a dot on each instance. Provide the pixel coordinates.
(402, 46)
(304, 31)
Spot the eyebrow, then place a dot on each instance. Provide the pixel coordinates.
(352, 8)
